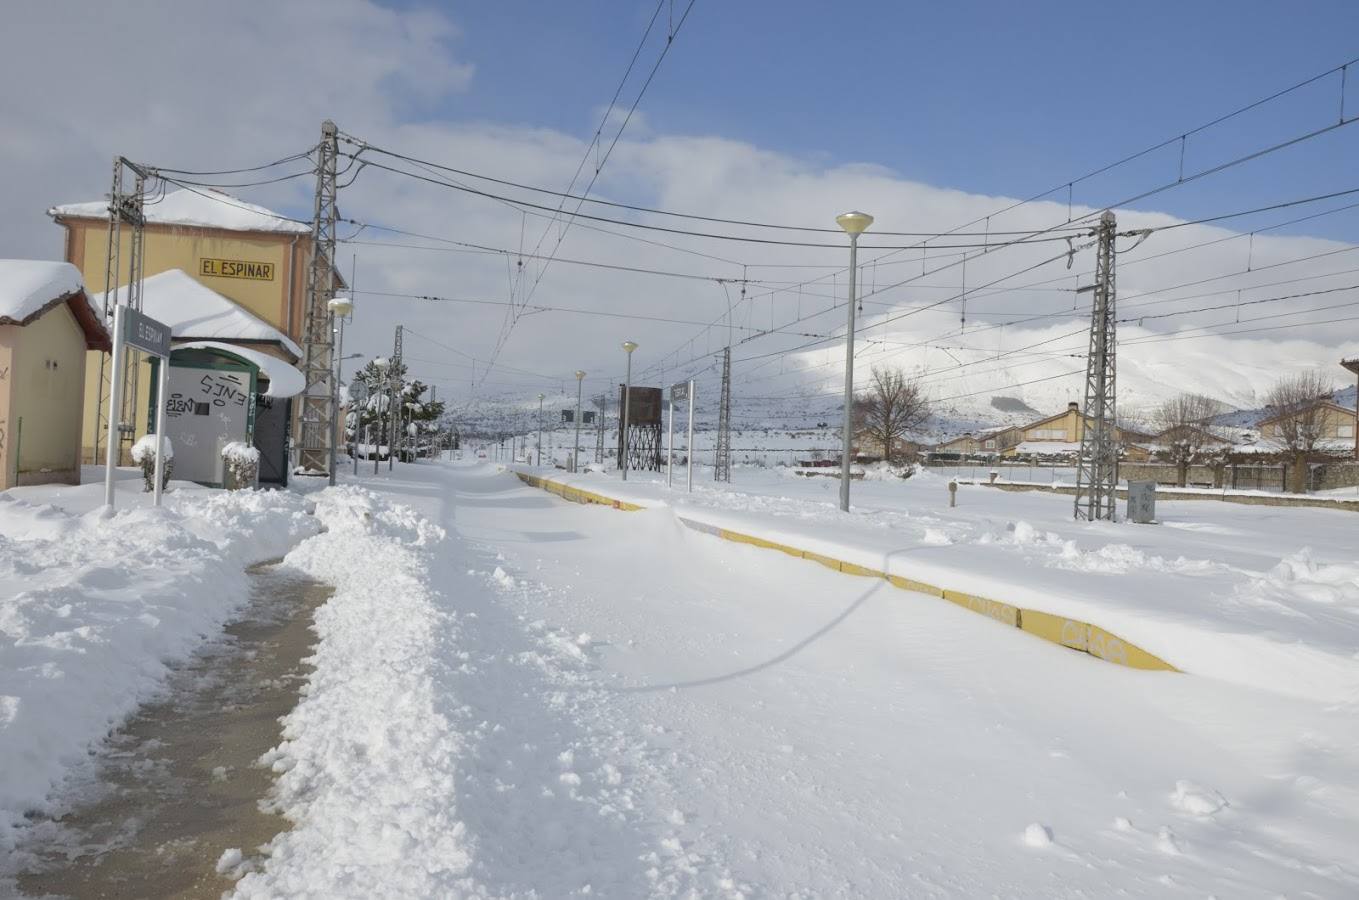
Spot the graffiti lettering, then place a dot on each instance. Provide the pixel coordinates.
(223, 389)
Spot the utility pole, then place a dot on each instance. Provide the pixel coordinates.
(394, 386)
(1097, 472)
(722, 459)
(318, 401)
(602, 401)
(540, 431)
(124, 208)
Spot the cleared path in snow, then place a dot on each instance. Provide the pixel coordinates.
(178, 784)
(654, 711)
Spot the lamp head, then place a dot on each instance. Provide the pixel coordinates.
(629, 346)
(340, 306)
(580, 374)
(381, 363)
(854, 222)
(541, 397)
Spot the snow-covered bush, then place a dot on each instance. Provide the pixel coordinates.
(144, 455)
(242, 465)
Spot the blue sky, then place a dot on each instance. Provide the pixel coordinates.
(999, 98)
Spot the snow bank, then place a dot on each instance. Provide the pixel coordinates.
(93, 609)
(368, 764)
(145, 448)
(241, 452)
(27, 285)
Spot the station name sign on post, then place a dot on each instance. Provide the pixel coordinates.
(145, 333)
(131, 329)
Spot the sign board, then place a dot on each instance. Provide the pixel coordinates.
(358, 392)
(644, 408)
(679, 393)
(236, 268)
(145, 333)
(1142, 501)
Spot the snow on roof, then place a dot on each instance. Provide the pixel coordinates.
(27, 285)
(195, 311)
(207, 208)
(284, 380)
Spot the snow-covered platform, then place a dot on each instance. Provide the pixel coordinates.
(1262, 596)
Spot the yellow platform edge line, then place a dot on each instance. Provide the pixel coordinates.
(1071, 633)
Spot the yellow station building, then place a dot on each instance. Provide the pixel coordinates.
(254, 258)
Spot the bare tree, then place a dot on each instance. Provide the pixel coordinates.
(891, 407)
(1185, 426)
(1298, 420)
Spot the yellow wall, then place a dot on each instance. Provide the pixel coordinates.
(1332, 420)
(7, 337)
(186, 249)
(1069, 424)
(46, 363)
(277, 301)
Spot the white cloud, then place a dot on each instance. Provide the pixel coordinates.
(224, 85)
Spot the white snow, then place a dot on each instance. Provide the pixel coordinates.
(195, 311)
(239, 451)
(284, 380)
(27, 285)
(515, 696)
(208, 207)
(228, 861)
(740, 723)
(145, 448)
(1211, 589)
(92, 609)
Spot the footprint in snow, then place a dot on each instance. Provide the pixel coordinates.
(1195, 799)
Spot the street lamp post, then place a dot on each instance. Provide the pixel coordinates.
(540, 431)
(339, 307)
(854, 223)
(629, 346)
(575, 447)
(381, 365)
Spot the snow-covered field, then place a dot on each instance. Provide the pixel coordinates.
(515, 696)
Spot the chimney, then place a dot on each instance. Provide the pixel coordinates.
(1073, 406)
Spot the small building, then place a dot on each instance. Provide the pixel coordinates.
(1353, 366)
(196, 313)
(214, 396)
(251, 257)
(46, 327)
(1061, 435)
(1002, 440)
(1335, 427)
(964, 444)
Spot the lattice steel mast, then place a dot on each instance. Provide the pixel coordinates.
(722, 459)
(1097, 474)
(318, 404)
(124, 208)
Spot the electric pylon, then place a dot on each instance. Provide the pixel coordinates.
(1097, 472)
(124, 209)
(318, 406)
(722, 459)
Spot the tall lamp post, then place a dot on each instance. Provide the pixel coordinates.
(540, 431)
(381, 365)
(629, 346)
(340, 308)
(854, 224)
(575, 448)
